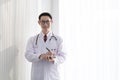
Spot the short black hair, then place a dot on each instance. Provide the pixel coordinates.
(45, 14)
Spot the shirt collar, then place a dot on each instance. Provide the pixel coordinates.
(48, 34)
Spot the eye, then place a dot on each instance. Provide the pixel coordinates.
(47, 21)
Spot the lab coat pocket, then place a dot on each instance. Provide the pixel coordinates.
(54, 50)
(53, 46)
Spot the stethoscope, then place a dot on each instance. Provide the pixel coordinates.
(52, 37)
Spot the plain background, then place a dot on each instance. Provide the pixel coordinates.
(90, 30)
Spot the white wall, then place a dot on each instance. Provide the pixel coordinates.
(8, 50)
(91, 32)
(19, 21)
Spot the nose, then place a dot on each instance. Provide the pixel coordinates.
(45, 24)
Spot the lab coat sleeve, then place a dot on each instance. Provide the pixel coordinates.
(60, 55)
(30, 55)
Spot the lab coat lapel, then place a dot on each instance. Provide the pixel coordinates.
(45, 44)
(42, 44)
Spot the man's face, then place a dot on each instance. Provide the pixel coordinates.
(45, 23)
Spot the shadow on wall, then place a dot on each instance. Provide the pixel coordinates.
(3, 1)
(7, 55)
(7, 63)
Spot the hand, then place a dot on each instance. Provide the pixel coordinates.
(51, 56)
(43, 57)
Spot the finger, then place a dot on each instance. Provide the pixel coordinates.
(51, 60)
(48, 53)
(47, 58)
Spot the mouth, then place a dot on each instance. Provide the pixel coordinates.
(45, 26)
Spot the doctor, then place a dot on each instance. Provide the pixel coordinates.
(45, 51)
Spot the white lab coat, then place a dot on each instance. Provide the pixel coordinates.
(41, 69)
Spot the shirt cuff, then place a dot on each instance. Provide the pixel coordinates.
(55, 60)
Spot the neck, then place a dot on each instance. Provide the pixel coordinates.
(45, 32)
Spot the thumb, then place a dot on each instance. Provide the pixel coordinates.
(49, 53)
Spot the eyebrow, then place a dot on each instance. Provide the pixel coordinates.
(45, 20)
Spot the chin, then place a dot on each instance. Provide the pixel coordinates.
(45, 30)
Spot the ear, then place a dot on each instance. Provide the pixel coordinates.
(38, 21)
(52, 21)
